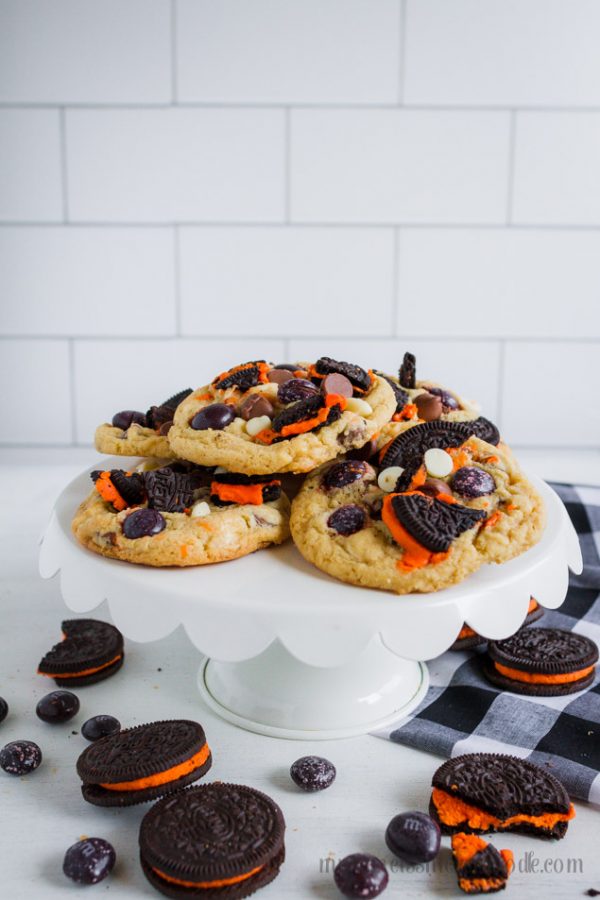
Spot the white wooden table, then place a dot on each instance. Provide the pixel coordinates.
(42, 814)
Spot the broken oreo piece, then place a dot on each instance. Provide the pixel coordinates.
(357, 376)
(142, 763)
(170, 491)
(435, 524)
(407, 374)
(130, 487)
(302, 411)
(480, 868)
(174, 401)
(484, 430)
(229, 488)
(90, 652)
(243, 377)
(408, 448)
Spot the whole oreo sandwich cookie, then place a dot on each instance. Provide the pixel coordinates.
(482, 792)
(143, 763)
(215, 840)
(468, 638)
(89, 652)
(481, 869)
(542, 661)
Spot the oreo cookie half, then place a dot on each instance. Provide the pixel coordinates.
(546, 662)
(482, 792)
(408, 448)
(468, 639)
(434, 523)
(215, 840)
(480, 868)
(485, 430)
(143, 763)
(91, 651)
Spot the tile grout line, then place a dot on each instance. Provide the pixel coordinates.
(426, 338)
(287, 166)
(395, 281)
(240, 223)
(72, 392)
(177, 280)
(512, 146)
(402, 52)
(63, 163)
(365, 106)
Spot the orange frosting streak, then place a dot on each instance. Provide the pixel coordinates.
(459, 456)
(465, 846)
(83, 672)
(408, 411)
(240, 493)
(480, 885)
(108, 491)
(267, 435)
(453, 811)
(221, 882)
(263, 369)
(172, 774)
(415, 554)
(539, 678)
(491, 520)
(533, 604)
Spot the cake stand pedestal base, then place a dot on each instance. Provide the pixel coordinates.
(278, 695)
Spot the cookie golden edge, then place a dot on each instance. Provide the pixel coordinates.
(228, 533)
(135, 441)
(298, 454)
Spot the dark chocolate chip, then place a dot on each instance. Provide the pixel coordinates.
(429, 407)
(128, 417)
(143, 523)
(434, 523)
(435, 486)
(215, 416)
(407, 373)
(448, 401)
(470, 481)
(347, 520)
(296, 389)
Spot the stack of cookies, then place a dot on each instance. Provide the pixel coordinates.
(398, 483)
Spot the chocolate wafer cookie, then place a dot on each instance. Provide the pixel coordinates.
(215, 840)
(542, 661)
(143, 763)
(468, 638)
(89, 652)
(481, 869)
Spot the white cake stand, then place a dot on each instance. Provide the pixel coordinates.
(292, 652)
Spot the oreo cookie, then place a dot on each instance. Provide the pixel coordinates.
(408, 448)
(482, 792)
(545, 662)
(485, 430)
(480, 868)
(170, 491)
(407, 374)
(174, 401)
(229, 488)
(143, 763)
(215, 840)
(358, 377)
(310, 411)
(90, 652)
(434, 523)
(468, 639)
(243, 377)
(121, 489)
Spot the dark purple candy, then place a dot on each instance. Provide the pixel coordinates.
(3, 709)
(57, 707)
(448, 401)
(414, 837)
(20, 757)
(216, 416)
(313, 773)
(100, 726)
(127, 417)
(360, 875)
(343, 473)
(347, 519)
(473, 482)
(296, 389)
(142, 523)
(89, 861)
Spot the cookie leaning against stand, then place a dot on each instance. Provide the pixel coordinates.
(133, 433)
(181, 515)
(259, 419)
(431, 509)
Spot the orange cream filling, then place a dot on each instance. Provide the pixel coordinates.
(465, 632)
(263, 369)
(538, 678)
(108, 491)
(480, 885)
(408, 411)
(240, 493)
(83, 671)
(267, 436)
(453, 811)
(465, 846)
(415, 554)
(218, 883)
(172, 774)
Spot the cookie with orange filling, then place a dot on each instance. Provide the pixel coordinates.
(468, 638)
(481, 869)
(257, 418)
(542, 661)
(89, 652)
(143, 763)
(215, 840)
(481, 792)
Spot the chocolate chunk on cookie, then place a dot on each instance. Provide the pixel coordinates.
(90, 651)
(542, 661)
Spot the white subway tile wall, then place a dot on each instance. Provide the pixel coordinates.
(186, 184)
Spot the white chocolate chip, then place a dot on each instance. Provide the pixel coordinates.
(267, 390)
(438, 463)
(388, 478)
(356, 405)
(257, 424)
(219, 470)
(200, 510)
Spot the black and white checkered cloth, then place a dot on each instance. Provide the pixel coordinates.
(464, 713)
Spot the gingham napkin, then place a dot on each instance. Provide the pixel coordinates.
(464, 713)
